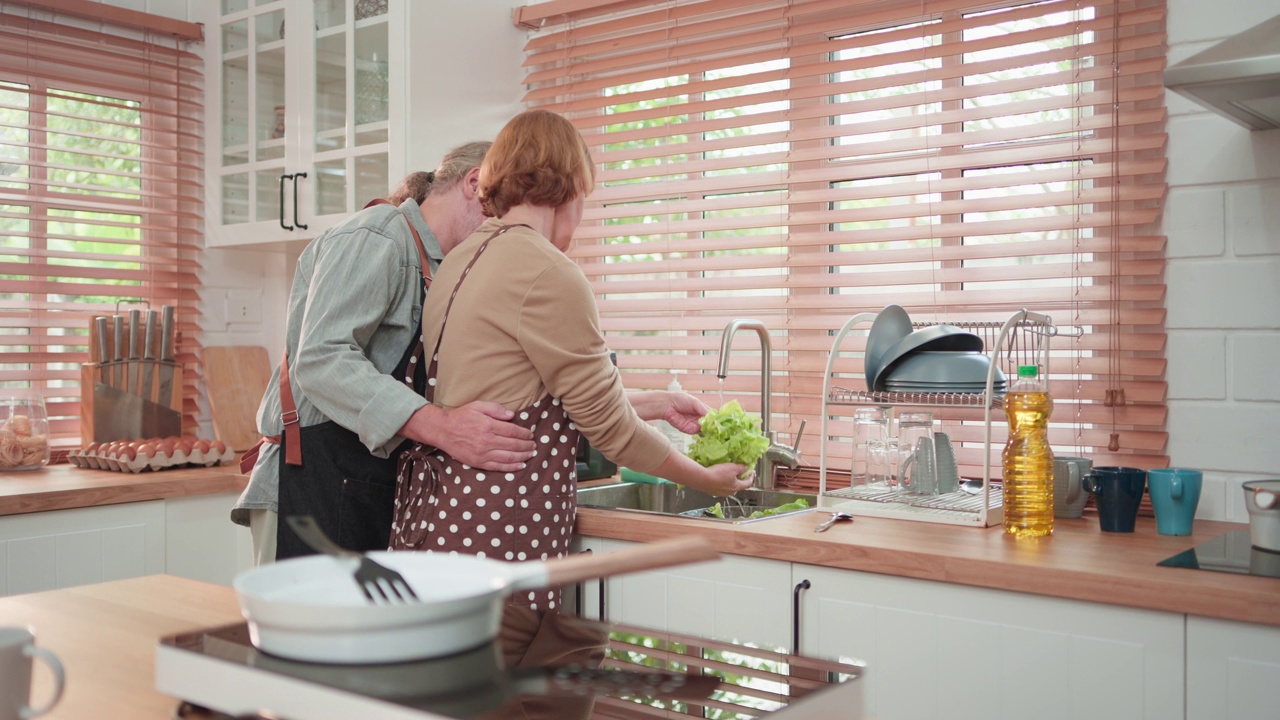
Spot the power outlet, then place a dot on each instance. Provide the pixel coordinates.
(243, 306)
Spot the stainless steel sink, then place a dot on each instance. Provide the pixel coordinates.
(674, 500)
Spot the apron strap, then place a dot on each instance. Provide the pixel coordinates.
(466, 271)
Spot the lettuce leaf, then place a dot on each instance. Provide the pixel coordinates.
(729, 434)
(799, 504)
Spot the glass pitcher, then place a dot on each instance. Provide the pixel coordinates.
(24, 430)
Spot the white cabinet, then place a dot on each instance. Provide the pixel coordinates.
(318, 106)
(187, 536)
(301, 101)
(737, 599)
(1231, 670)
(938, 650)
(51, 550)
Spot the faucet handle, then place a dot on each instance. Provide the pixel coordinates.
(799, 433)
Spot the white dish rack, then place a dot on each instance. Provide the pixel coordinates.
(1023, 339)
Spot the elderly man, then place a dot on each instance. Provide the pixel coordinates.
(336, 413)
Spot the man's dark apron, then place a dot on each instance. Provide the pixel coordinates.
(345, 488)
(442, 505)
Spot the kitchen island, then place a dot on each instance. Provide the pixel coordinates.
(106, 636)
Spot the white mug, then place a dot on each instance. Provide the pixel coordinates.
(17, 648)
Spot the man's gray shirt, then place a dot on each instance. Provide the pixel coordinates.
(353, 310)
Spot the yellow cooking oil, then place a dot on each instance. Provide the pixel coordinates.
(1028, 459)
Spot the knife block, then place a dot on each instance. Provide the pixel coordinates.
(89, 375)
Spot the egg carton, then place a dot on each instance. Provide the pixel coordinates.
(152, 454)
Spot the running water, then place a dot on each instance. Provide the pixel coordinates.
(720, 394)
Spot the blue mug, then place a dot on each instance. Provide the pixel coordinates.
(1175, 492)
(1118, 492)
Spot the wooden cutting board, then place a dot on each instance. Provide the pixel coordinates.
(235, 377)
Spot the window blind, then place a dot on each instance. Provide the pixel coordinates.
(100, 197)
(803, 161)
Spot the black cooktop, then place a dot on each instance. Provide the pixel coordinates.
(1229, 553)
(644, 673)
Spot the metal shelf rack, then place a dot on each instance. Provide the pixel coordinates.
(1023, 339)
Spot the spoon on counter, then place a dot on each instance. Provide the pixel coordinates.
(835, 518)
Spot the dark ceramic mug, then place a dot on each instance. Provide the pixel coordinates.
(1118, 492)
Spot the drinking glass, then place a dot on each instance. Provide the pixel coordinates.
(870, 430)
(24, 430)
(911, 427)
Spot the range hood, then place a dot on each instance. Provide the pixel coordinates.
(1239, 77)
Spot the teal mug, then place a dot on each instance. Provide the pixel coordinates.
(1118, 493)
(1175, 493)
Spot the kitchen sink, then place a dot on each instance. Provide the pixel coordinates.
(674, 500)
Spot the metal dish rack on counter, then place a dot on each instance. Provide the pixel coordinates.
(1023, 339)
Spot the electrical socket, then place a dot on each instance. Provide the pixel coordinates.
(243, 306)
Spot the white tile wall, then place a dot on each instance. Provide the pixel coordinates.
(1223, 222)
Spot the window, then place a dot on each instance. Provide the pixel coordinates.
(804, 161)
(100, 198)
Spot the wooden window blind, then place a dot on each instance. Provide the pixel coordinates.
(101, 146)
(803, 161)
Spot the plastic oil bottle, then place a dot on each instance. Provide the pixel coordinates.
(678, 439)
(1028, 459)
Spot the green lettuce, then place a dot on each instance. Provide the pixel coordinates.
(799, 504)
(729, 435)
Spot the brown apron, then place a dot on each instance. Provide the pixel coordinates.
(443, 505)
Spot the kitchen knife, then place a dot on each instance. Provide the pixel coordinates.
(100, 324)
(117, 351)
(148, 357)
(117, 415)
(167, 364)
(133, 368)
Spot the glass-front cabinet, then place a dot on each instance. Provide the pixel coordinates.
(300, 131)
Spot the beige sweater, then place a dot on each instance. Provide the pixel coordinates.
(525, 325)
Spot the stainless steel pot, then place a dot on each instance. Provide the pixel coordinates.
(311, 608)
(1262, 499)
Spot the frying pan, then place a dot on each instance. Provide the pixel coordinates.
(311, 608)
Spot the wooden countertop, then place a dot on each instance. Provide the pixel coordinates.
(106, 635)
(65, 486)
(1078, 562)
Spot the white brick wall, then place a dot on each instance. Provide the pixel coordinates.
(1223, 222)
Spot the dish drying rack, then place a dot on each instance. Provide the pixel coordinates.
(1023, 339)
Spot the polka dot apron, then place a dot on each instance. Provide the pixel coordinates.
(443, 505)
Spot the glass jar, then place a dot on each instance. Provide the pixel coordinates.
(24, 430)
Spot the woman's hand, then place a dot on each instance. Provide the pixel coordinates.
(682, 410)
(727, 479)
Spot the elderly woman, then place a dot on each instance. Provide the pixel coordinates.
(512, 319)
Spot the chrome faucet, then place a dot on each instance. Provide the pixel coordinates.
(776, 454)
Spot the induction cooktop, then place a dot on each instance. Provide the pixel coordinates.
(218, 674)
(1228, 553)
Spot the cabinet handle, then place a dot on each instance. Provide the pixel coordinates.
(295, 201)
(282, 179)
(577, 589)
(601, 598)
(795, 614)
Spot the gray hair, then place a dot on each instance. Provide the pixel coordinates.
(453, 167)
(456, 164)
